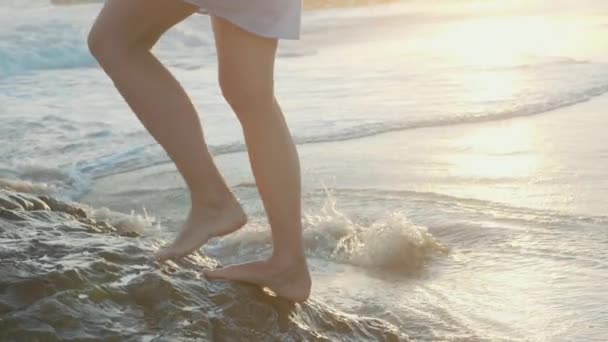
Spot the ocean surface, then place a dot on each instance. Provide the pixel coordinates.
(455, 171)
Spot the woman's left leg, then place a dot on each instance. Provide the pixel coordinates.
(121, 39)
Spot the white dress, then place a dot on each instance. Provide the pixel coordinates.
(267, 18)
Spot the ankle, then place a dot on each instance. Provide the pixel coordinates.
(212, 201)
(287, 260)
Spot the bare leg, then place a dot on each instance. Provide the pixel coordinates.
(246, 71)
(120, 40)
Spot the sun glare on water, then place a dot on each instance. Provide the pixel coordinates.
(496, 152)
(496, 41)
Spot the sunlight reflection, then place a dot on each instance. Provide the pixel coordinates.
(314, 4)
(496, 152)
(490, 86)
(496, 41)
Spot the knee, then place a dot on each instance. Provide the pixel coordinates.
(245, 96)
(109, 46)
(102, 45)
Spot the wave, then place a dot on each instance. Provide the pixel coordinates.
(73, 180)
(66, 182)
(391, 243)
(151, 155)
(65, 275)
(38, 38)
(498, 210)
(24, 186)
(43, 46)
(124, 223)
(377, 128)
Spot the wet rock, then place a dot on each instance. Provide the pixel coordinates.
(7, 203)
(11, 215)
(56, 205)
(64, 276)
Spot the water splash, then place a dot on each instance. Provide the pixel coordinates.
(391, 242)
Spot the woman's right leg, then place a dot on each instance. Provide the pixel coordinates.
(121, 40)
(248, 85)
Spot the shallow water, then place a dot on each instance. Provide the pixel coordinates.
(453, 156)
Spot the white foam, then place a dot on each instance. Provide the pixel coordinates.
(141, 224)
(392, 241)
(389, 242)
(66, 183)
(25, 186)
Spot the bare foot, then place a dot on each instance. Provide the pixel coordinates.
(202, 224)
(289, 280)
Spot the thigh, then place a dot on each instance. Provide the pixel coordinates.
(139, 21)
(244, 57)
